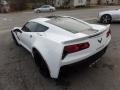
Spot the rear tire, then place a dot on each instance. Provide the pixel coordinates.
(16, 42)
(38, 11)
(40, 62)
(106, 19)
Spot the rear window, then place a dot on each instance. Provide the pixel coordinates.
(69, 24)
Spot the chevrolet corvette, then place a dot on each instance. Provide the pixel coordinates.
(57, 41)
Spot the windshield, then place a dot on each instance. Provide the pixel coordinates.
(69, 24)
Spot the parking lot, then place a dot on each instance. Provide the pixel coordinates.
(19, 72)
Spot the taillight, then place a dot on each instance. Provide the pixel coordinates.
(108, 33)
(75, 48)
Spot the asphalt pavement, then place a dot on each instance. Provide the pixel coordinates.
(19, 72)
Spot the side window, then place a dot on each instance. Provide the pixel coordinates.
(41, 28)
(45, 6)
(34, 27)
(29, 27)
(25, 28)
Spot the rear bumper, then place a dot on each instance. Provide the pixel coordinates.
(90, 59)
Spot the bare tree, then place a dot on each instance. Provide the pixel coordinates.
(88, 2)
(98, 2)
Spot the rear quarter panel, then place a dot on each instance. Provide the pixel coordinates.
(95, 46)
(51, 52)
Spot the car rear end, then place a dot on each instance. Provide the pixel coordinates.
(78, 40)
(83, 48)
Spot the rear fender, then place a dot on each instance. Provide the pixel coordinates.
(52, 53)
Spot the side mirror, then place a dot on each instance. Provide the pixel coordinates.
(17, 30)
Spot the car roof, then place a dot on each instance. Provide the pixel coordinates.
(46, 5)
(44, 22)
(50, 22)
(44, 19)
(40, 20)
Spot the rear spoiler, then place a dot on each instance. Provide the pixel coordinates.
(106, 28)
(84, 38)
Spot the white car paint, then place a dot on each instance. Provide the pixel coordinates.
(51, 43)
(115, 14)
(45, 8)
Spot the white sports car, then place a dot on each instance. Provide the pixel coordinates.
(107, 17)
(57, 41)
(45, 8)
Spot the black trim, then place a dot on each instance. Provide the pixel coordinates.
(16, 33)
(64, 54)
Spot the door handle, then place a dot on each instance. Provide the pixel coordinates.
(41, 35)
(30, 36)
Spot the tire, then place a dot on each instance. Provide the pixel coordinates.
(40, 62)
(16, 42)
(51, 10)
(38, 11)
(106, 19)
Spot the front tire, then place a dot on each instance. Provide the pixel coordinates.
(51, 10)
(106, 19)
(40, 62)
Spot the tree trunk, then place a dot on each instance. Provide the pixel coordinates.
(99, 2)
(88, 2)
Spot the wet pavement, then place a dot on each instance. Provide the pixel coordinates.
(19, 72)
